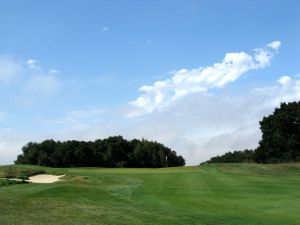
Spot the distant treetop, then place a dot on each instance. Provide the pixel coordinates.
(110, 152)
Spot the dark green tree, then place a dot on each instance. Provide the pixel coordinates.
(110, 152)
(280, 135)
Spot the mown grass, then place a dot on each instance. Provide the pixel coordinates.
(209, 194)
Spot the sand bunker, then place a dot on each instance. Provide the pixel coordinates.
(44, 179)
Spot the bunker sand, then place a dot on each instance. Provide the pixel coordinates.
(44, 179)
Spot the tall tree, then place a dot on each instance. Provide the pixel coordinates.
(280, 135)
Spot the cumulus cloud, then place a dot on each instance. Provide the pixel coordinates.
(289, 91)
(275, 45)
(197, 126)
(191, 119)
(32, 64)
(184, 82)
(202, 125)
(284, 81)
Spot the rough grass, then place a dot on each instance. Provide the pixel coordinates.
(23, 172)
(209, 194)
(6, 182)
(19, 172)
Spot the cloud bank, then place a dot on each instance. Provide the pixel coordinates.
(202, 125)
(184, 82)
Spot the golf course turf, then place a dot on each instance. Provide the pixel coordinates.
(208, 194)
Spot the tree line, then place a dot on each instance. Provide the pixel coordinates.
(110, 152)
(280, 141)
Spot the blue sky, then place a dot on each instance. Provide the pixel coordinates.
(195, 75)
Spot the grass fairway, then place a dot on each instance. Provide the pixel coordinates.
(209, 194)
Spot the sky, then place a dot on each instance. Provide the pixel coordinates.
(197, 76)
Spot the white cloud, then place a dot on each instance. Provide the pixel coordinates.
(31, 63)
(184, 82)
(202, 125)
(289, 90)
(9, 69)
(197, 126)
(284, 81)
(275, 45)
